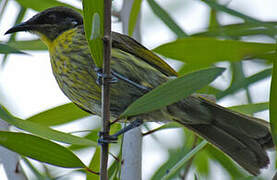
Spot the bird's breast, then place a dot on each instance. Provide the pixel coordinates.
(73, 67)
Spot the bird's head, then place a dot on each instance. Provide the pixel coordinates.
(50, 23)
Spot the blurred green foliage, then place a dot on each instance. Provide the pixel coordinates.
(215, 44)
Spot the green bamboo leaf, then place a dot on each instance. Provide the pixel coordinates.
(133, 16)
(165, 17)
(94, 28)
(43, 4)
(43, 131)
(94, 165)
(172, 91)
(250, 108)
(40, 149)
(244, 83)
(59, 115)
(273, 104)
(183, 161)
(6, 49)
(204, 51)
(34, 45)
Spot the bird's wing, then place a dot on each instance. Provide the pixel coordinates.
(131, 46)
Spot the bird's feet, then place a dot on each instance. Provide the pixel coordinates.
(106, 140)
(100, 75)
(113, 138)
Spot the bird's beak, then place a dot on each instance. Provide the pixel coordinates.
(25, 26)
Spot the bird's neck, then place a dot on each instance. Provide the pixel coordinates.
(45, 40)
(61, 39)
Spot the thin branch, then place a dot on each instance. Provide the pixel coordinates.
(106, 90)
(91, 171)
(150, 132)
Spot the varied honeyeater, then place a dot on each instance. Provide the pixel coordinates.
(242, 137)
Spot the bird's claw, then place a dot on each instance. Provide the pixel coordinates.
(100, 75)
(106, 140)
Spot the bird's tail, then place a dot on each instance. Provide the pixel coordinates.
(242, 137)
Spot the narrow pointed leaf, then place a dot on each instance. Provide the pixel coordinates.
(94, 28)
(34, 45)
(59, 115)
(205, 51)
(43, 131)
(172, 91)
(40, 149)
(250, 108)
(6, 49)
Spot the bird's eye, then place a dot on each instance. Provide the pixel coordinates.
(74, 23)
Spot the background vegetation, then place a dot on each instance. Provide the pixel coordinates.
(224, 36)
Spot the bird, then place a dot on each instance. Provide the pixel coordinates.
(138, 70)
